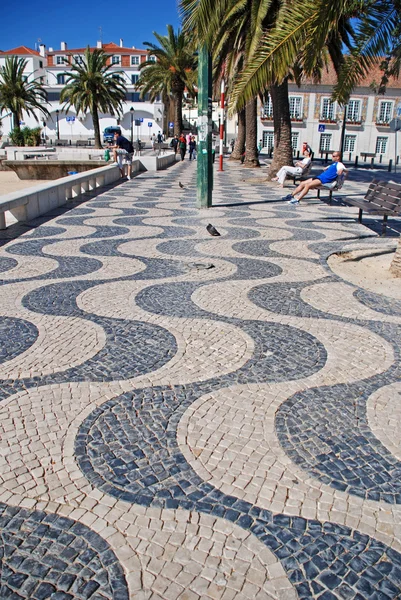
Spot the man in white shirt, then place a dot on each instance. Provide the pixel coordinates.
(299, 169)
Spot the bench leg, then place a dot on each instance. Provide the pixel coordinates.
(360, 216)
(2, 220)
(330, 196)
(318, 193)
(384, 224)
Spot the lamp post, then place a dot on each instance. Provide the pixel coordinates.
(342, 142)
(57, 126)
(131, 110)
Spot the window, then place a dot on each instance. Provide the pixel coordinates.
(385, 112)
(327, 112)
(325, 142)
(60, 79)
(24, 78)
(115, 60)
(268, 140)
(267, 112)
(295, 107)
(134, 60)
(354, 111)
(152, 58)
(134, 79)
(78, 60)
(349, 143)
(53, 96)
(60, 60)
(116, 76)
(294, 140)
(41, 64)
(381, 145)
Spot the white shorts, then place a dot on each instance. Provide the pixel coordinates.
(123, 157)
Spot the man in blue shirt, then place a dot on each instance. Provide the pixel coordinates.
(328, 178)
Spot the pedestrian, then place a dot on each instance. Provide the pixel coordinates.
(122, 154)
(182, 146)
(260, 146)
(232, 144)
(305, 146)
(328, 178)
(174, 144)
(159, 137)
(192, 148)
(153, 141)
(299, 169)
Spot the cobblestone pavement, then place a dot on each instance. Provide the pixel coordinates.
(192, 417)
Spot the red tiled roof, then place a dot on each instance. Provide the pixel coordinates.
(110, 47)
(21, 50)
(329, 77)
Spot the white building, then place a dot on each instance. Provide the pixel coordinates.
(318, 121)
(51, 67)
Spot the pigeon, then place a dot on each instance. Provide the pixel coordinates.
(212, 230)
(180, 184)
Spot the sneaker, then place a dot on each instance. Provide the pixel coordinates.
(128, 177)
(294, 201)
(287, 197)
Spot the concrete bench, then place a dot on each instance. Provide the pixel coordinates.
(382, 199)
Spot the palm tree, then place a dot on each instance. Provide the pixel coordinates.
(92, 87)
(173, 71)
(17, 94)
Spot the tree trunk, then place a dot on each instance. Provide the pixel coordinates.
(96, 127)
(239, 146)
(16, 121)
(395, 267)
(251, 153)
(178, 112)
(282, 128)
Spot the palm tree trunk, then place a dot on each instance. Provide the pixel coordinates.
(251, 154)
(16, 121)
(282, 128)
(178, 113)
(96, 127)
(395, 267)
(239, 146)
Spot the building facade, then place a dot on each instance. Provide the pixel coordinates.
(370, 118)
(51, 67)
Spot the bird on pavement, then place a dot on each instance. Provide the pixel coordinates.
(212, 230)
(180, 184)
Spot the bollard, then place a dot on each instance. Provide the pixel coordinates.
(298, 155)
(398, 160)
(380, 158)
(390, 165)
(356, 162)
(350, 157)
(372, 160)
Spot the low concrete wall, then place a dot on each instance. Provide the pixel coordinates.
(32, 202)
(50, 169)
(157, 163)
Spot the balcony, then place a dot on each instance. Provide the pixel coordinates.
(354, 121)
(383, 124)
(266, 116)
(328, 120)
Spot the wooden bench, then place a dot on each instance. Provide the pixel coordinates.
(382, 199)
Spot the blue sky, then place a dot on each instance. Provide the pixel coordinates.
(77, 22)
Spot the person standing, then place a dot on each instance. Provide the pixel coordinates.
(122, 154)
(192, 148)
(174, 143)
(182, 146)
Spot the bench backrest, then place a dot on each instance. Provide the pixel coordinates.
(385, 194)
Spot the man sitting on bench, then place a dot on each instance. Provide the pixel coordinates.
(328, 179)
(299, 169)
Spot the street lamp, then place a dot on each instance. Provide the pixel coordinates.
(57, 126)
(131, 110)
